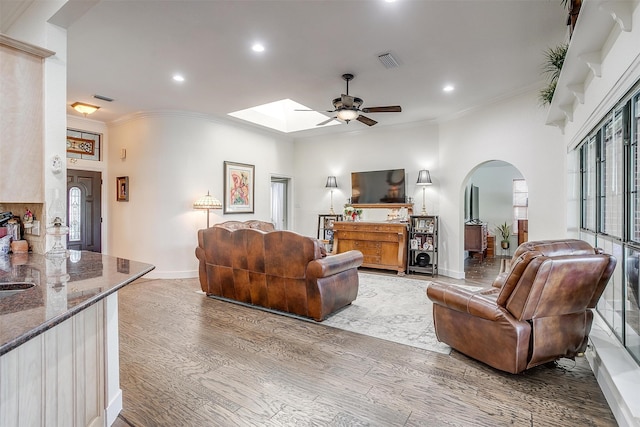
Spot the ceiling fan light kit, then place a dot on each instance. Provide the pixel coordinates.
(347, 107)
(347, 115)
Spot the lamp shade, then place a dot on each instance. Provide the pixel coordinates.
(207, 202)
(331, 182)
(424, 178)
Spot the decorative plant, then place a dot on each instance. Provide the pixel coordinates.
(505, 231)
(554, 59)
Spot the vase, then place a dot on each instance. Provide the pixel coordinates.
(504, 244)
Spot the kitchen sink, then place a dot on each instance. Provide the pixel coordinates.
(11, 288)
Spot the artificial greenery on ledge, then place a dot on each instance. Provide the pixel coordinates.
(554, 59)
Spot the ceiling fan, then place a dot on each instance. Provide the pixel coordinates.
(347, 108)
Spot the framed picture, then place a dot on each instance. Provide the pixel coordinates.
(422, 224)
(122, 189)
(239, 184)
(415, 244)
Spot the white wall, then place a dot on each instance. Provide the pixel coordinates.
(172, 159)
(32, 27)
(410, 147)
(511, 130)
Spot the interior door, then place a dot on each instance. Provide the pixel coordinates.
(84, 210)
(279, 202)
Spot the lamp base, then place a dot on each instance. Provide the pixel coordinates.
(423, 212)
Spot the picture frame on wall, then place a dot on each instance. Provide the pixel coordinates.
(239, 185)
(122, 189)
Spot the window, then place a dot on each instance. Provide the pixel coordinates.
(520, 202)
(610, 213)
(83, 145)
(74, 214)
(611, 181)
(588, 184)
(634, 176)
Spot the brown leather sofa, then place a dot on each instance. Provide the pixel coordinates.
(538, 311)
(252, 263)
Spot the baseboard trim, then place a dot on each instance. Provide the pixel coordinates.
(186, 274)
(114, 408)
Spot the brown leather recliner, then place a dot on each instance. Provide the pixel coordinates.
(538, 311)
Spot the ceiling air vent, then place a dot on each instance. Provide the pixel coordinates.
(103, 98)
(388, 61)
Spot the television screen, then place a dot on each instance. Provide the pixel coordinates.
(474, 203)
(386, 186)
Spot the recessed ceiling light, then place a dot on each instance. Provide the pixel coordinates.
(258, 47)
(178, 78)
(448, 88)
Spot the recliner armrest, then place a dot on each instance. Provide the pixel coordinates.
(333, 264)
(480, 303)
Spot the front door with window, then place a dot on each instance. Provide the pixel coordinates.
(84, 210)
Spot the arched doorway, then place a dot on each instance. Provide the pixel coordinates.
(495, 194)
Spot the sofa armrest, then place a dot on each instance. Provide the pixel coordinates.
(480, 303)
(333, 264)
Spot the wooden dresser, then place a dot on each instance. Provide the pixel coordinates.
(475, 239)
(384, 245)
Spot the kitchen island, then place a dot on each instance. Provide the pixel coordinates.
(59, 361)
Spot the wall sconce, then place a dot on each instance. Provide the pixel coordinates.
(331, 183)
(207, 202)
(85, 109)
(424, 179)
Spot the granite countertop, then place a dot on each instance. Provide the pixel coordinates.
(61, 289)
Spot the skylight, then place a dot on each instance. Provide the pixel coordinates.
(282, 116)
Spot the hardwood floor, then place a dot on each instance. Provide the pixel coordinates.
(188, 360)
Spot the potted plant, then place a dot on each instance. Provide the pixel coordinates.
(505, 232)
(554, 59)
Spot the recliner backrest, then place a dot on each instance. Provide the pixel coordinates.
(552, 278)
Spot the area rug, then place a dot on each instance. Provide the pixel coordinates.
(391, 308)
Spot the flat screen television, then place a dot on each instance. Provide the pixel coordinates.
(385, 186)
(474, 204)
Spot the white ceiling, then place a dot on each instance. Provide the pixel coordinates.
(128, 50)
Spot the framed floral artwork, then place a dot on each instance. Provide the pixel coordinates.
(239, 185)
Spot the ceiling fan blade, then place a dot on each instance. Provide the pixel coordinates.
(388, 109)
(330, 119)
(347, 101)
(366, 120)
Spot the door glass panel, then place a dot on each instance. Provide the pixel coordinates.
(611, 304)
(612, 177)
(74, 214)
(632, 315)
(589, 185)
(634, 182)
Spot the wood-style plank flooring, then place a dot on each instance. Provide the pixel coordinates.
(188, 360)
